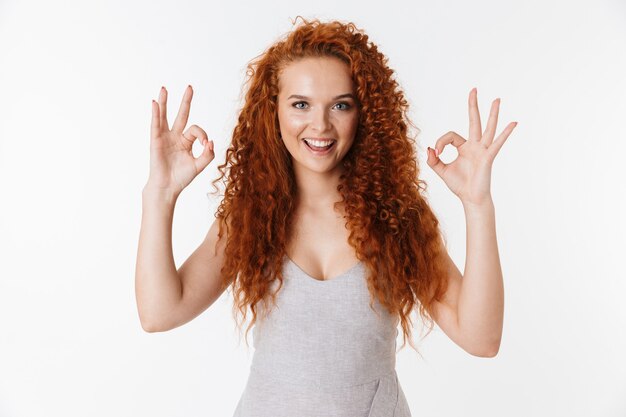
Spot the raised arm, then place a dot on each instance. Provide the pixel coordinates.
(473, 313)
(167, 298)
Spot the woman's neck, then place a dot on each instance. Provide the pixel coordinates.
(317, 189)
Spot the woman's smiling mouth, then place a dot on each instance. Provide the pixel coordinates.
(319, 147)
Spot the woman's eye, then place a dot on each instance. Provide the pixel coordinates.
(347, 106)
(297, 103)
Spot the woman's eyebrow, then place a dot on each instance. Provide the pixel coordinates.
(346, 95)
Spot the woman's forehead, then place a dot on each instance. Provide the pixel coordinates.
(318, 76)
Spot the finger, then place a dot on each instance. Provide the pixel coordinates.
(207, 155)
(155, 124)
(183, 111)
(490, 131)
(495, 146)
(192, 133)
(449, 138)
(474, 116)
(434, 162)
(163, 107)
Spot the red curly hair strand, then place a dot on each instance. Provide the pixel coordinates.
(392, 228)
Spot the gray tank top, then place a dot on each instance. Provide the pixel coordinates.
(324, 352)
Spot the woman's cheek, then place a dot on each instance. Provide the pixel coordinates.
(297, 121)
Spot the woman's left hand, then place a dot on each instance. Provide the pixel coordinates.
(469, 175)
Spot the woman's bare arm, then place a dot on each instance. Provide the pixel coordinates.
(166, 297)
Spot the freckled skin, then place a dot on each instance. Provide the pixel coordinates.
(320, 115)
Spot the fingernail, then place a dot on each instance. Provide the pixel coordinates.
(437, 152)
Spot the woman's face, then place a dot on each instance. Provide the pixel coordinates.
(317, 106)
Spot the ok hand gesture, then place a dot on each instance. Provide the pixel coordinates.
(469, 175)
(172, 164)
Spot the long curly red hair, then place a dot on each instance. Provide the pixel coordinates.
(392, 228)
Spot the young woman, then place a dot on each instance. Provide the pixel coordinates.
(323, 233)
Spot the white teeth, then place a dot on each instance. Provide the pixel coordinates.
(319, 143)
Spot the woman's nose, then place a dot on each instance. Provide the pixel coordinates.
(320, 120)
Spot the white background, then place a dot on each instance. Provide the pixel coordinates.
(76, 82)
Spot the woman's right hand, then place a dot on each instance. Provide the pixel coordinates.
(172, 164)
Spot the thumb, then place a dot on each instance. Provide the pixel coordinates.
(434, 162)
(205, 157)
